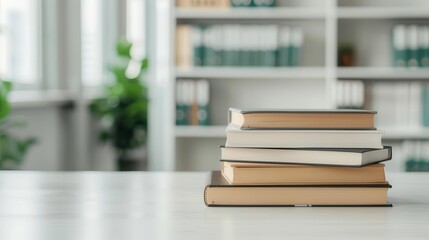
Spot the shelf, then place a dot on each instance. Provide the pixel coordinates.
(41, 98)
(249, 72)
(368, 73)
(382, 12)
(249, 13)
(200, 131)
(412, 134)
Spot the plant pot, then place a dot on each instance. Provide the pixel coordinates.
(132, 160)
(123, 164)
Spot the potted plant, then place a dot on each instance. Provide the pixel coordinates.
(123, 109)
(12, 149)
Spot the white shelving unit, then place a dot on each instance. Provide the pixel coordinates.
(326, 23)
(367, 73)
(279, 13)
(253, 73)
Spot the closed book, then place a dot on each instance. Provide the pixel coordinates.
(301, 119)
(263, 3)
(314, 156)
(203, 99)
(278, 174)
(220, 193)
(284, 46)
(197, 45)
(412, 46)
(399, 46)
(184, 48)
(423, 56)
(297, 38)
(209, 51)
(303, 138)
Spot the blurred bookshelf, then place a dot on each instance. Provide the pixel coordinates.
(326, 25)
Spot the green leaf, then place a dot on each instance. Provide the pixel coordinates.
(145, 64)
(6, 86)
(123, 48)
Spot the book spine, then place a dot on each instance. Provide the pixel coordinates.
(425, 105)
(296, 44)
(284, 46)
(186, 100)
(263, 3)
(245, 46)
(413, 44)
(197, 45)
(414, 107)
(235, 45)
(272, 45)
(180, 106)
(209, 37)
(217, 43)
(399, 46)
(254, 43)
(423, 46)
(203, 99)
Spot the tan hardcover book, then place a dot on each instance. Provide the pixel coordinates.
(278, 174)
(220, 193)
(301, 119)
(184, 48)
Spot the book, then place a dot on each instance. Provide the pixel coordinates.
(301, 119)
(197, 45)
(283, 46)
(297, 39)
(203, 99)
(423, 46)
(238, 173)
(314, 156)
(203, 3)
(184, 51)
(303, 138)
(412, 46)
(219, 192)
(399, 46)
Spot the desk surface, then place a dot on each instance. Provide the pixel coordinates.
(139, 205)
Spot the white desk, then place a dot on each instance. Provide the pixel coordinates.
(109, 205)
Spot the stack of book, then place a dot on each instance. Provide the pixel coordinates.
(300, 158)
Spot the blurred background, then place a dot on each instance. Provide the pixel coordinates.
(146, 85)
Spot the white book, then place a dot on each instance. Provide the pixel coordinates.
(316, 156)
(414, 106)
(413, 45)
(303, 138)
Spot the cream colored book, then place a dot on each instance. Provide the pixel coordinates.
(303, 138)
